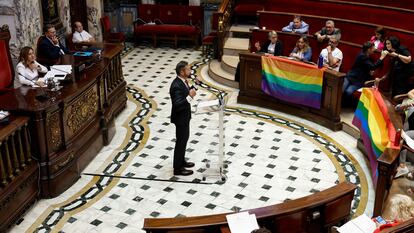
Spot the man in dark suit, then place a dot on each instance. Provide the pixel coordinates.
(49, 47)
(181, 95)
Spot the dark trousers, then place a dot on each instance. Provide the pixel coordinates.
(182, 132)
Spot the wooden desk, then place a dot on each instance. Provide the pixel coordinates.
(313, 213)
(69, 129)
(251, 93)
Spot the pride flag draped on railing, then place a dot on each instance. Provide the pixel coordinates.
(292, 81)
(376, 129)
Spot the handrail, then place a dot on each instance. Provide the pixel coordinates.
(308, 203)
(223, 16)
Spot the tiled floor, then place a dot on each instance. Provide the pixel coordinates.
(272, 157)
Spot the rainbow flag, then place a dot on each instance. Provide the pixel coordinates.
(376, 129)
(292, 81)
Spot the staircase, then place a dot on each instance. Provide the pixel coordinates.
(238, 41)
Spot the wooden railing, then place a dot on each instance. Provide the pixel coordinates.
(222, 23)
(18, 171)
(313, 213)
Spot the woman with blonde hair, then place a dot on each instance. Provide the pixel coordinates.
(302, 50)
(401, 208)
(28, 69)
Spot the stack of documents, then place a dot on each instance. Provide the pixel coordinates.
(242, 222)
(58, 72)
(360, 224)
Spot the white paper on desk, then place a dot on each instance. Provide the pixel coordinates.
(66, 69)
(360, 224)
(242, 222)
(53, 73)
(409, 141)
(208, 103)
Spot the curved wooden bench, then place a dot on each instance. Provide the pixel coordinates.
(382, 16)
(352, 30)
(313, 213)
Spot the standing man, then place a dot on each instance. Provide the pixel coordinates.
(80, 35)
(181, 95)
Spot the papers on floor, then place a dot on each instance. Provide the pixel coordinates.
(360, 224)
(242, 222)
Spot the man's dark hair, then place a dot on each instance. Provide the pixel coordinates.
(298, 17)
(261, 230)
(367, 45)
(48, 26)
(395, 42)
(181, 65)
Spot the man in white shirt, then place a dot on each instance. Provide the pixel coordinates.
(80, 35)
(332, 56)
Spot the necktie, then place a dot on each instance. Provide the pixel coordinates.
(186, 83)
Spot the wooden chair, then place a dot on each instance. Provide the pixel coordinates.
(115, 37)
(7, 70)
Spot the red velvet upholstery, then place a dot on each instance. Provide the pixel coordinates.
(208, 39)
(117, 37)
(178, 22)
(6, 70)
(247, 9)
(148, 12)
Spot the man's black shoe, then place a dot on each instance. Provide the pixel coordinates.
(182, 172)
(188, 164)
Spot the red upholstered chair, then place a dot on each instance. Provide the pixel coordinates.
(6, 70)
(248, 8)
(117, 37)
(208, 41)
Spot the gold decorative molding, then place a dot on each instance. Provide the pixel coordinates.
(54, 131)
(80, 111)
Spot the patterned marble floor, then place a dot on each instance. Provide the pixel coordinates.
(272, 157)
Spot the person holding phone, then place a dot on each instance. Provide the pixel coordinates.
(28, 69)
(332, 56)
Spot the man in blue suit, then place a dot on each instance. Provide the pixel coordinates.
(181, 95)
(49, 47)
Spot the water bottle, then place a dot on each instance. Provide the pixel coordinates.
(320, 61)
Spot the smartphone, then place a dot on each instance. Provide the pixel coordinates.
(380, 220)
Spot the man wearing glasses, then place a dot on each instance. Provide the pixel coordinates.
(328, 32)
(332, 56)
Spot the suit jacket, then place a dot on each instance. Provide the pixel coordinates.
(181, 109)
(47, 50)
(278, 48)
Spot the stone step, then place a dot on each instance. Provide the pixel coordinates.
(240, 31)
(229, 63)
(233, 46)
(221, 76)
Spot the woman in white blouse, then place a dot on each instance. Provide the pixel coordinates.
(28, 69)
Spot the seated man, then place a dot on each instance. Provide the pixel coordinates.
(50, 47)
(332, 56)
(297, 26)
(328, 31)
(80, 35)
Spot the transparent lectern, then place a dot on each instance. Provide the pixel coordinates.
(216, 106)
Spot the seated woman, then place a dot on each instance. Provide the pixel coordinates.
(28, 69)
(302, 51)
(379, 38)
(361, 69)
(401, 68)
(273, 46)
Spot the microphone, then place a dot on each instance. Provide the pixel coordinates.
(26, 78)
(405, 106)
